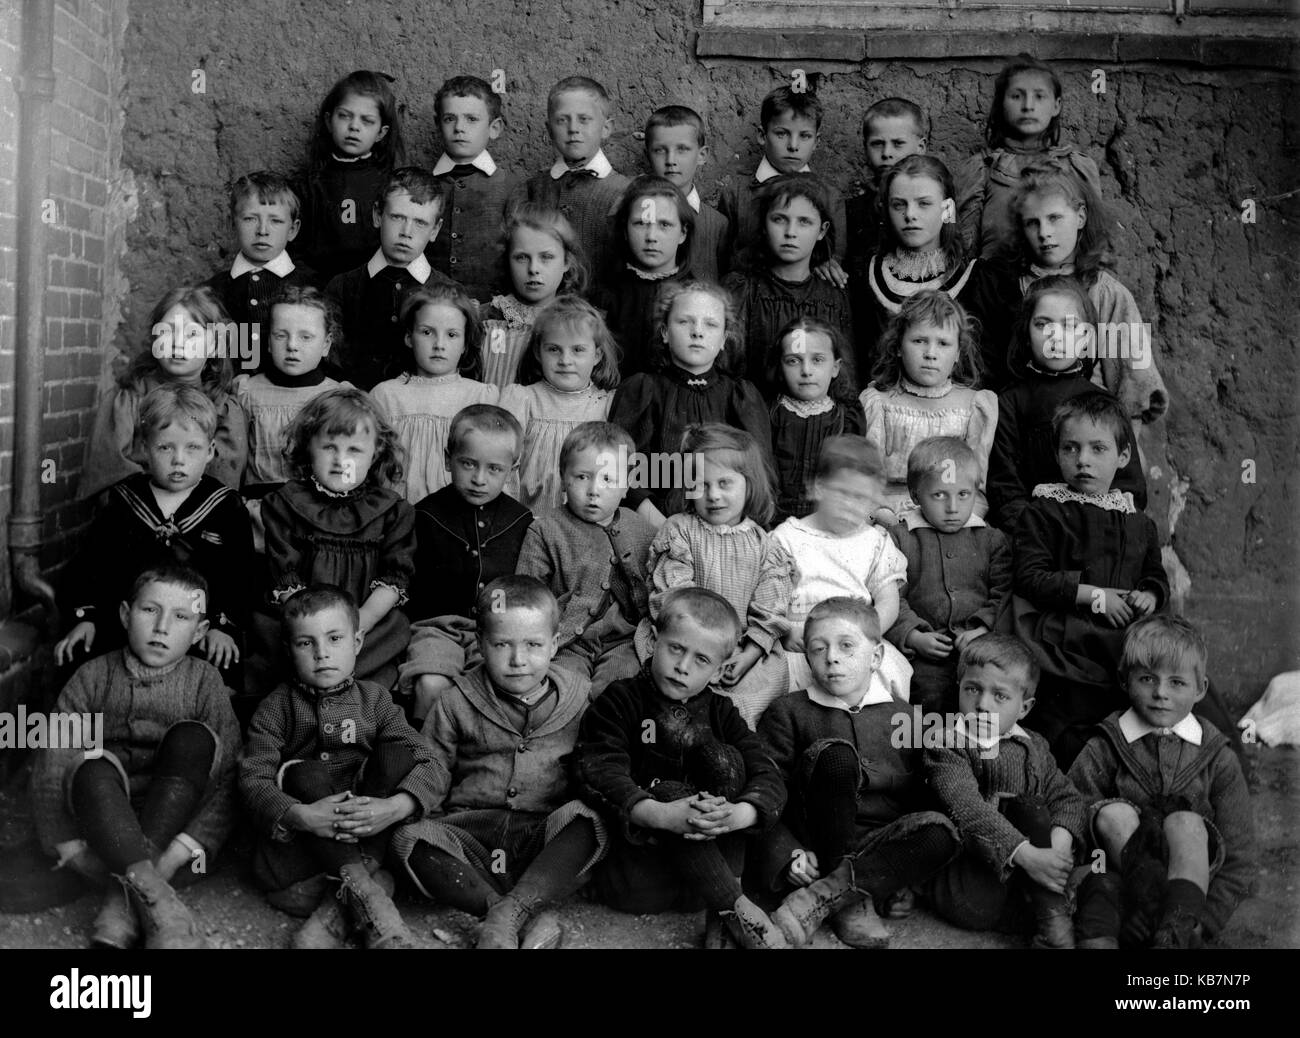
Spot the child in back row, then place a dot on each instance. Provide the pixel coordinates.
(676, 150)
(475, 188)
(892, 129)
(182, 348)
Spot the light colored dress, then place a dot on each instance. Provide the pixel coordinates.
(900, 418)
(421, 408)
(270, 409)
(506, 329)
(548, 415)
(747, 567)
(860, 565)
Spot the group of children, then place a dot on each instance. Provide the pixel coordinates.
(536, 558)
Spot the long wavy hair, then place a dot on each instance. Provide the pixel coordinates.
(341, 412)
(929, 307)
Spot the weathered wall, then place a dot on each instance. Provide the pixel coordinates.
(1179, 148)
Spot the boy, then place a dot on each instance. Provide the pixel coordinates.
(958, 568)
(409, 216)
(170, 513)
(264, 211)
(592, 554)
(508, 837)
(1170, 806)
(581, 184)
(475, 188)
(467, 534)
(1087, 564)
(153, 791)
(332, 767)
(677, 768)
(892, 129)
(791, 123)
(855, 812)
(676, 150)
(1020, 819)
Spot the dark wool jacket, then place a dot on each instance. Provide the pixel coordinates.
(588, 203)
(468, 248)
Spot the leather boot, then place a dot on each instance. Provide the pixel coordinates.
(859, 926)
(116, 925)
(505, 920)
(166, 922)
(327, 927)
(751, 927)
(1054, 918)
(804, 911)
(372, 910)
(1097, 920)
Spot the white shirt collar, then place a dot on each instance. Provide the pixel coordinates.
(281, 266)
(419, 267)
(766, 171)
(598, 164)
(481, 161)
(987, 742)
(877, 692)
(1133, 728)
(693, 199)
(914, 518)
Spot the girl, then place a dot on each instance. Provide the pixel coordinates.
(1052, 351)
(921, 249)
(442, 330)
(570, 374)
(924, 385)
(357, 142)
(721, 545)
(542, 258)
(1023, 129)
(695, 321)
(1063, 229)
(796, 217)
(815, 402)
(656, 227)
(337, 522)
(183, 348)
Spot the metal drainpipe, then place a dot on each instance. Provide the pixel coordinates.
(35, 88)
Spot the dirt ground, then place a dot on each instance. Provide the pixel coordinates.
(235, 915)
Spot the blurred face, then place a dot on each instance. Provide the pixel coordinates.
(356, 126)
(578, 126)
(696, 331)
(263, 229)
(890, 138)
(1088, 455)
(842, 657)
(946, 497)
(929, 352)
(722, 491)
(182, 345)
(988, 692)
(789, 141)
(675, 152)
(1051, 226)
(1164, 694)
(568, 355)
(916, 211)
(437, 339)
(808, 364)
(845, 499)
(341, 462)
(1029, 106)
(467, 127)
(793, 230)
(406, 226)
(298, 340)
(595, 481)
(654, 233)
(176, 456)
(687, 658)
(323, 647)
(1058, 334)
(481, 464)
(518, 646)
(538, 264)
(163, 622)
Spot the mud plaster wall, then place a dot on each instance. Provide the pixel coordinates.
(1179, 150)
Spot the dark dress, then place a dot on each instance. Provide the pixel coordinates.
(628, 300)
(338, 229)
(796, 443)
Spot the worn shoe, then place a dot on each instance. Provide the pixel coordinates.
(1054, 921)
(327, 927)
(1178, 929)
(372, 910)
(166, 922)
(897, 906)
(302, 898)
(543, 931)
(802, 913)
(116, 925)
(751, 927)
(505, 921)
(859, 926)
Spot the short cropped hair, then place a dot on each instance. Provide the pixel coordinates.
(1165, 640)
(846, 607)
(939, 454)
(175, 575)
(707, 608)
(1004, 651)
(804, 105)
(419, 183)
(265, 188)
(1096, 406)
(675, 115)
(894, 108)
(580, 84)
(484, 418)
(516, 591)
(595, 434)
(850, 454)
(176, 401)
(468, 86)
(310, 296)
(316, 599)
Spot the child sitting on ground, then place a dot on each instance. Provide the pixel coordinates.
(680, 774)
(158, 796)
(1170, 805)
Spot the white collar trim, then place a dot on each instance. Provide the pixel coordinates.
(418, 268)
(693, 199)
(281, 266)
(914, 519)
(1111, 501)
(1133, 728)
(877, 692)
(598, 164)
(766, 171)
(482, 160)
(987, 742)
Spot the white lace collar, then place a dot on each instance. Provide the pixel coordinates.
(929, 392)
(807, 408)
(516, 312)
(1112, 501)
